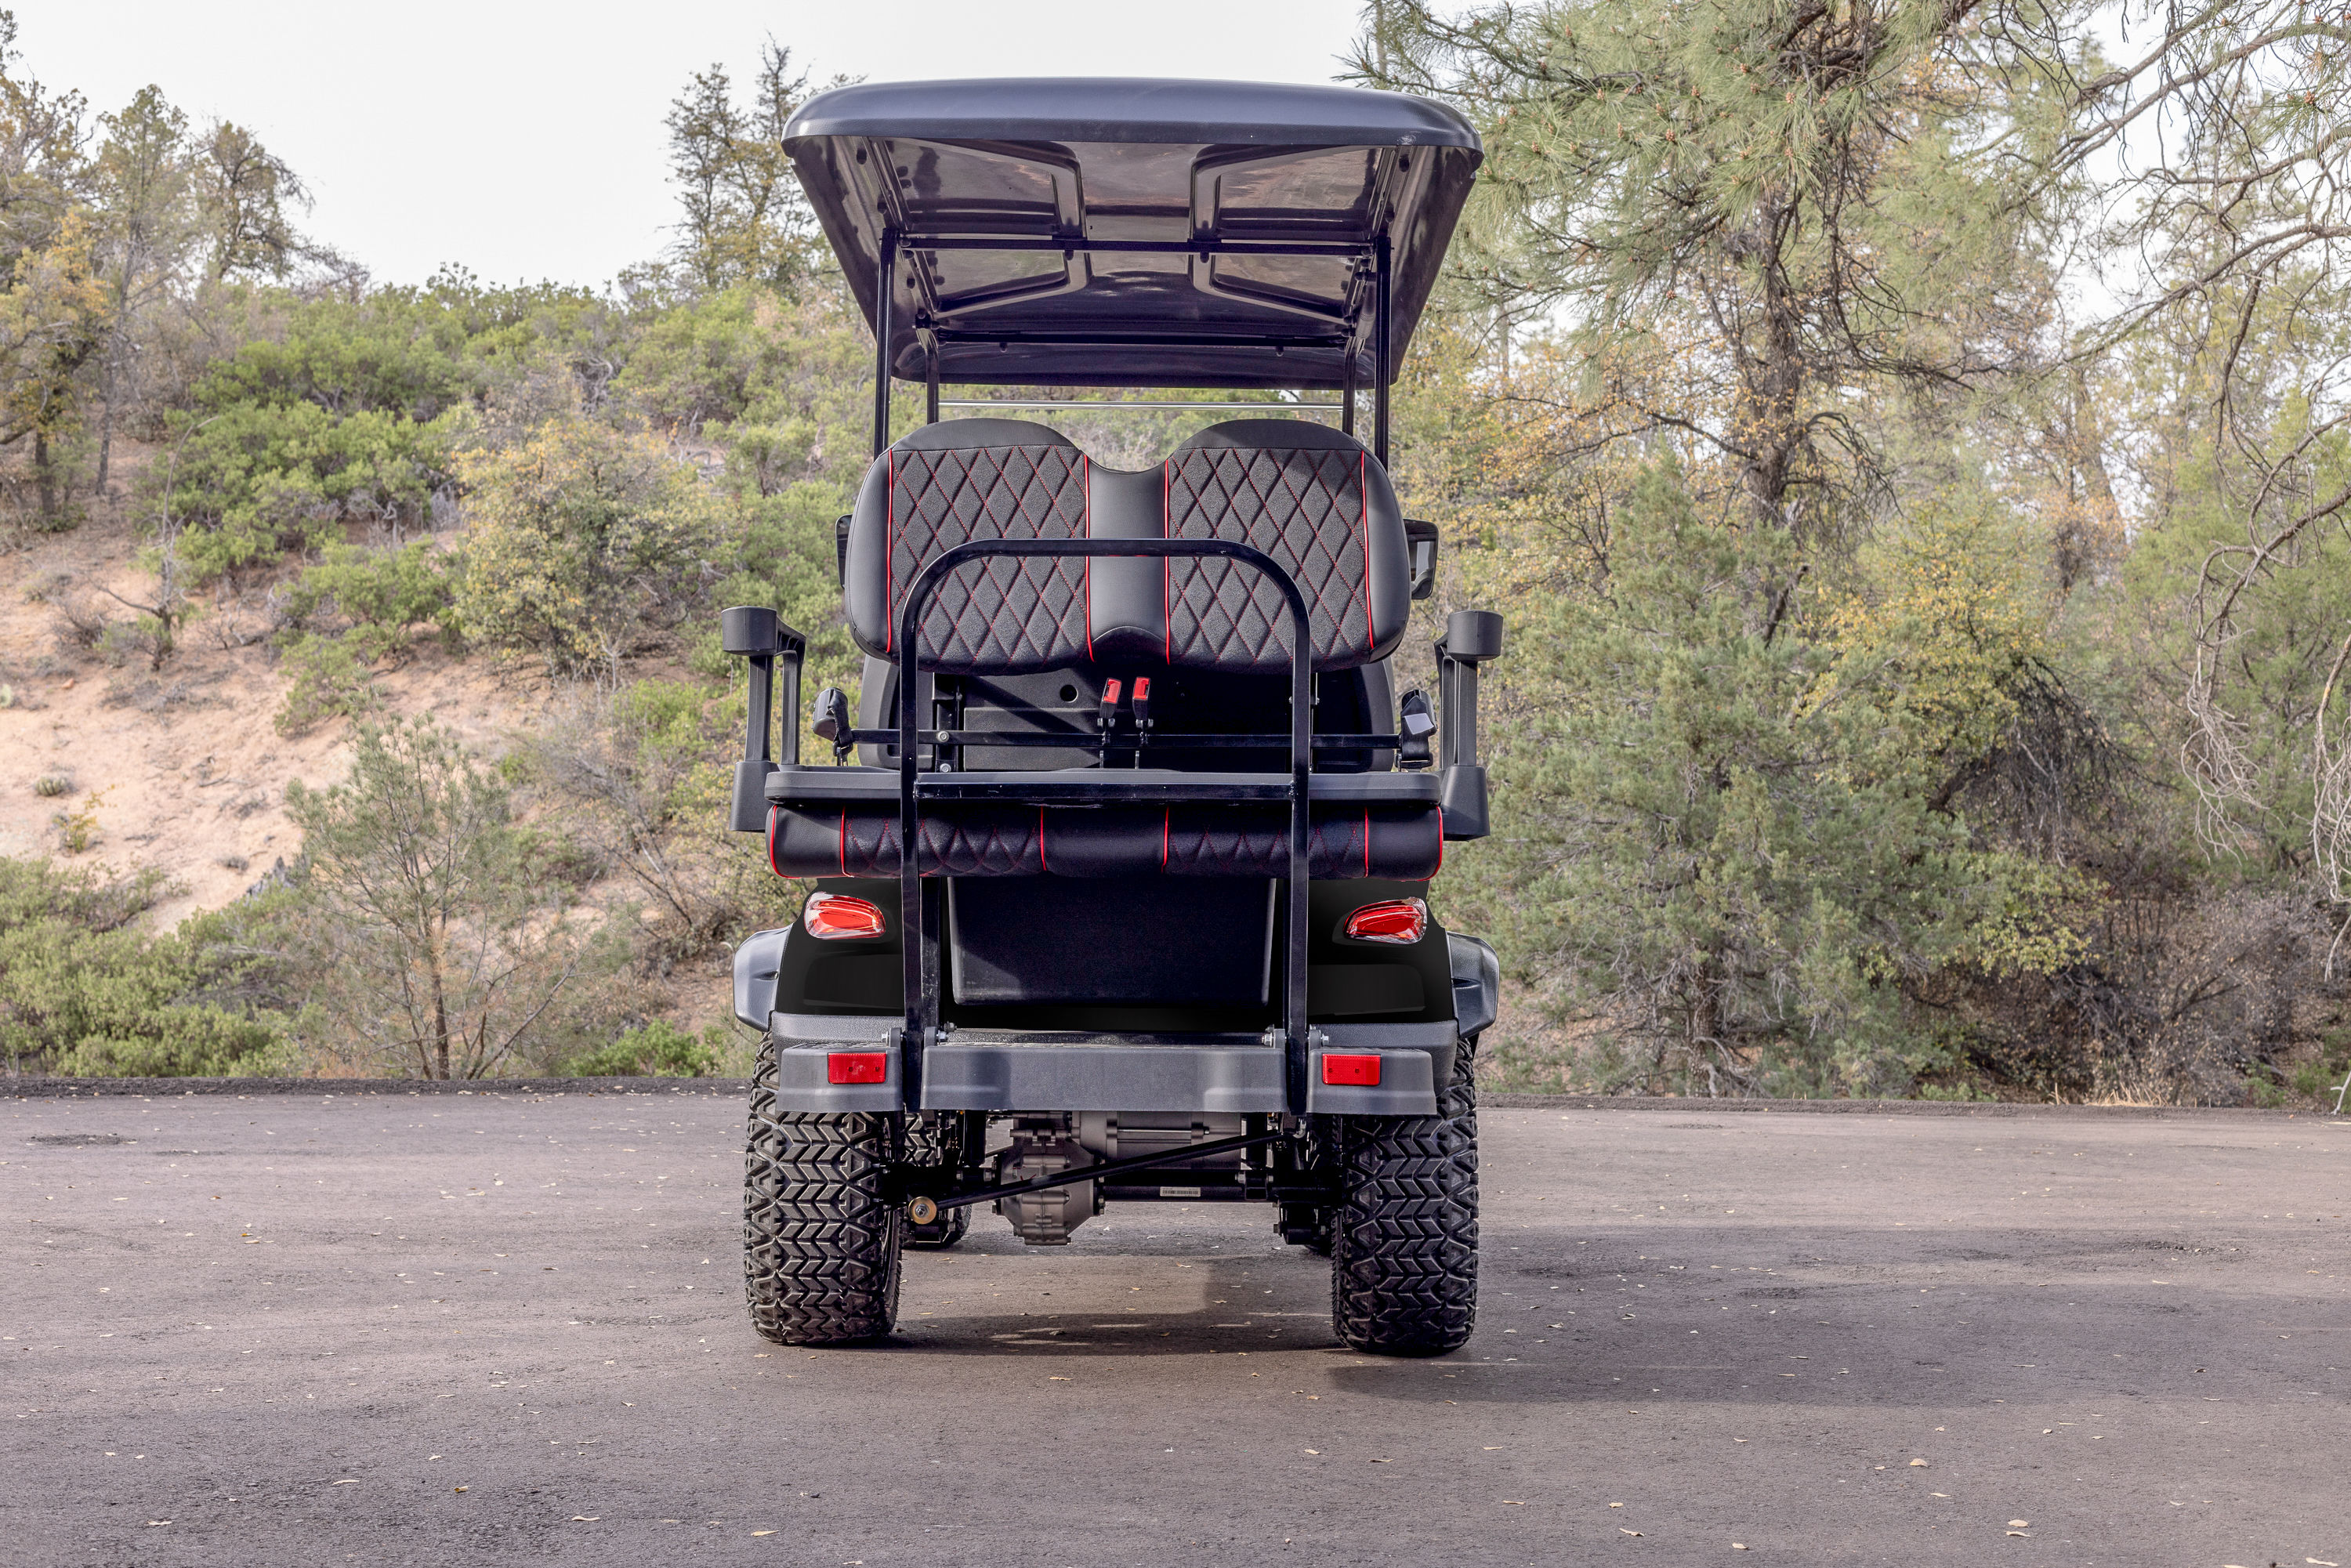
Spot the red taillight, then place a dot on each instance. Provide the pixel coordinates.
(1357, 1070)
(834, 915)
(868, 1067)
(1402, 921)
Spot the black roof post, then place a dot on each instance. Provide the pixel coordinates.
(1382, 371)
(885, 279)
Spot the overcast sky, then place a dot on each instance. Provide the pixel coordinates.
(526, 142)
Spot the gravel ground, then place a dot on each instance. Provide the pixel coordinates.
(308, 1329)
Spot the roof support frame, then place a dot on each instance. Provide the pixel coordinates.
(936, 337)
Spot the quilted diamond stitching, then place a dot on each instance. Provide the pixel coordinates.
(995, 844)
(999, 614)
(1303, 508)
(1232, 845)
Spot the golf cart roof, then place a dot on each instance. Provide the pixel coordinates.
(1113, 232)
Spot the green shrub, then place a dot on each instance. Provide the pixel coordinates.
(256, 481)
(329, 678)
(84, 991)
(381, 593)
(582, 540)
(656, 1050)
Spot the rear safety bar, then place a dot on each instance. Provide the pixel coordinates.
(920, 934)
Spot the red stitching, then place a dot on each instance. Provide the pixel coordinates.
(1167, 572)
(889, 560)
(1086, 609)
(1364, 505)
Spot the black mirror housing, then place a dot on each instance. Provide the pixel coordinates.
(1420, 541)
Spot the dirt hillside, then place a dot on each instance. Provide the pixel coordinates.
(186, 766)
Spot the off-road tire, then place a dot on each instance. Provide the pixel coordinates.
(821, 1239)
(1404, 1241)
(935, 1141)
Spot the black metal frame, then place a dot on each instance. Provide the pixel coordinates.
(1377, 254)
(1096, 1172)
(917, 940)
(756, 634)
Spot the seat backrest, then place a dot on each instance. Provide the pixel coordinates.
(1315, 500)
(1311, 497)
(968, 479)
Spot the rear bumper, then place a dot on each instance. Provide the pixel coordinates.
(1005, 1071)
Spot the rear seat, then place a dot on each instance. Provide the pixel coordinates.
(1311, 497)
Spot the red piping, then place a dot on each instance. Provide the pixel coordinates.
(1088, 608)
(1363, 508)
(1163, 813)
(844, 841)
(1041, 843)
(890, 564)
(771, 841)
(1167, 563)
(1367, 841)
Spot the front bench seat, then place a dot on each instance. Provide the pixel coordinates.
(1311, 497)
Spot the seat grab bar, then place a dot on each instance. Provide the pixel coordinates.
(918, 944)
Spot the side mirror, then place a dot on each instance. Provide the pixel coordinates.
(1420, 549)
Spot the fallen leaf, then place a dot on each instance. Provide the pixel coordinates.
(763, 1533)
(1917, 1464)
(1311, 1450)
(586, 1518)
(1739, 1546)
(2020, 1524)
(347, 1483)
(456, 1489)
(1621, 1530)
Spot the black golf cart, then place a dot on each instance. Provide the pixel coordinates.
(1164, 930)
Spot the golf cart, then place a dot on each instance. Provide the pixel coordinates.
(1121, 860)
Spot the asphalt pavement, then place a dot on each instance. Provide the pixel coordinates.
(310, 1329)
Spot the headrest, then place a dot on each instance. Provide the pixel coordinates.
(964, 434)
(1273, 436)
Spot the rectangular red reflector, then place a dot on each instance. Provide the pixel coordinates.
(866, 1067)
(1357, 1070)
